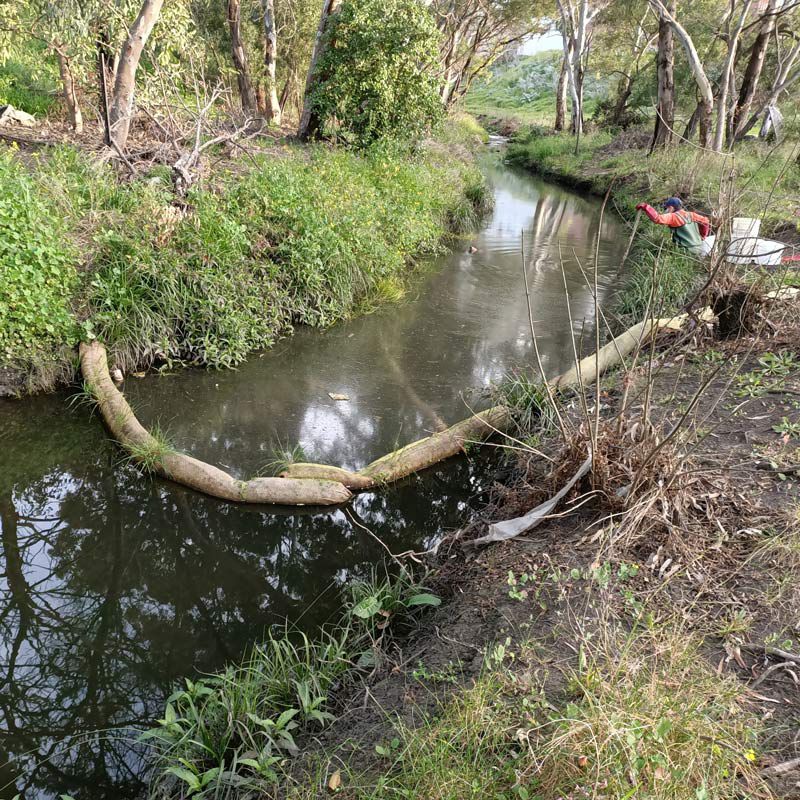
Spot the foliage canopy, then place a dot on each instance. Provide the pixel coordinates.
(378, 74)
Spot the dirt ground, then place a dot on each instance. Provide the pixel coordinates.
(712, 572)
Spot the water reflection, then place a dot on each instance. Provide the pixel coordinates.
(409, 368)
(114, 586)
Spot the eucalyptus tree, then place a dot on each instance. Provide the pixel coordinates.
(769, 30)
(704, 87)
(665, 102)
(309, 118)
(239, 56)
(121, 109)
(474, 34)
(577, 18)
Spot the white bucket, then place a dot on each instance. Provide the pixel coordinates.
(744, 235)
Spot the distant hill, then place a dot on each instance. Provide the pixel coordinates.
(525, 88)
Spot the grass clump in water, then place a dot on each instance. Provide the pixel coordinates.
(229, 734)
(150, 455)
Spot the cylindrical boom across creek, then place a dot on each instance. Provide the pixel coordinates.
(321, 484)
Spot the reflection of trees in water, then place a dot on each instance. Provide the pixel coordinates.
(115, 587)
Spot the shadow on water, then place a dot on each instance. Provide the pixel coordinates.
(114, 587)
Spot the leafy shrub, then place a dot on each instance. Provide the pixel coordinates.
(37, 270)
(20, 88)
(230, 731)
(378, 76)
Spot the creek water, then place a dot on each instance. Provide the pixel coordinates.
(115, 586)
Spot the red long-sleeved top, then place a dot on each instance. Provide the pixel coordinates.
(677, 219)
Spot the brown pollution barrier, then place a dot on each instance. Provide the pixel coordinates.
(323, 484)
(440, 446)
(188, 471)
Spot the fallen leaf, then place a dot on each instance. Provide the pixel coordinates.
(138, 374)
(335, 781)
(334, 396)
(583, 761)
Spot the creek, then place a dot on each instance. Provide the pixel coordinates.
(115, 586)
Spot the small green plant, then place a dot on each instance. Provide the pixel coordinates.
(739, 622)
(373, 601)
(514, 592)
(750, 384)
(778, 364)
(788, 428)
(446, 675)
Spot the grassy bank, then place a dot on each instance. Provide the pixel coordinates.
(757, 180)
(296, 235)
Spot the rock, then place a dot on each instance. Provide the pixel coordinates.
(10, 117)
(116, 375)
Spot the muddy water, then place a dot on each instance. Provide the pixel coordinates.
(115, 586)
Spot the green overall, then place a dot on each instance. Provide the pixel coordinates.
(688, 234)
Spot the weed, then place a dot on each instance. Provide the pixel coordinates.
(788, 428)
(739, 622)
(778, 364)
(149, 455)
(446, 675)
(750, 384)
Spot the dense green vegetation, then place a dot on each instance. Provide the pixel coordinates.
(525, 89)
(307, 237)
(380, 78)
(232, 731)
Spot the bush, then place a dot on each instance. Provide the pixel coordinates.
(378, 74)
(37, 271)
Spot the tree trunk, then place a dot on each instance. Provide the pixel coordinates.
(270, 57)
(783, 80)
(691, 126)
(561, 95)
(726, 80)
(665, 108)
(70, 96)
(705, 121)
(239, 57)
(105, 78)
(752, 73)
(309, 119)
(570, 42)
(699, 74)
(125, 82)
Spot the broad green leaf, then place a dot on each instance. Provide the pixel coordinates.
(424, 599)
(367, 608)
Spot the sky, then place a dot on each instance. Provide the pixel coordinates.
(537, 44)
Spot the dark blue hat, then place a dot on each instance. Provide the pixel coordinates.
(673, 202)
